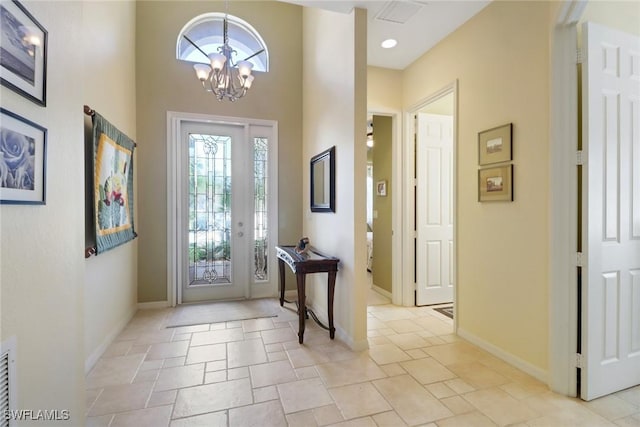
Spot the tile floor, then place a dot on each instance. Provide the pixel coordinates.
(254, 373)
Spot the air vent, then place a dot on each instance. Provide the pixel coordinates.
(399, 11)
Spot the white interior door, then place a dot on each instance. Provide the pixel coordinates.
(611, 211)
(434, 209)
(215, 236)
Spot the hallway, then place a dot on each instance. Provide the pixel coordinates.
(254, 372)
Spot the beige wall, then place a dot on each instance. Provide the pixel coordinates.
(166, 84)
(110, 298)
(41, 259)
(384, 90)
(622, 15)
(382, 224)
(328, 123)
(500, 58)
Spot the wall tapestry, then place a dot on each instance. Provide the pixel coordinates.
(112, 185)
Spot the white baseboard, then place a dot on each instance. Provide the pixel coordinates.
(91, 360)
(382, 292)
(534, 371)
(152, 305)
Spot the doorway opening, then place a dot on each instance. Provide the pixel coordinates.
(221, 208)
(431, 200)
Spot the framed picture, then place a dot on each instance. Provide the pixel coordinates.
(495, 184)
(23, 158)
(381, 188)
(23, 52)
(494, 145)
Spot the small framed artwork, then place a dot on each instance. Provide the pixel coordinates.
(495, 184)
(381, 188)
(494, 145)
(23, 152)
(23, 52)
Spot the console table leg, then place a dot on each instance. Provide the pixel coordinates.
(332, 285)
(302, 307)
(281, 266)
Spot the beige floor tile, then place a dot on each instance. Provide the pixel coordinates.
(612, 407)
(387, 353)
(155, 337)
(273, 348)
(190, 329)
(160, 398)
(374, 323)
(454, 353)
(570, 418)
(631, 395)
(388, 419)
(90, 397)
(272, 373)
(403, 326)
(304, 356)
(302, 395)
(302, 419)
(478, 375)
(113, 371)
(118, 348)
(146, 376)
(459, 386)
(245, 353)
(434, 325)
(393, 369)
(180, 376)
(215, 419)
(206, 353)
(265, 394)
(360, 422)
(99, 421)
(440, 390)
(260, 414)
(156, 417)
(253, 325)
(278, 335)
(416, 353)
(212, 397)
(521, 391)
(167, 350)
(181, 337)
(326, 415)
(306, 373)
(120, 398)
(630, 421)
(215, 376)
(351, 371)
(457, 405)
(237, 373)
(388, 312)
(139, 349)
(279, 355)
(473, 419)
(217, 336)
(173, 362)
(411, 400)
(359, 400)
(427, 371)
(502, 408)
(408, 341)
(217, 365)
(151, 365)
(379, 340)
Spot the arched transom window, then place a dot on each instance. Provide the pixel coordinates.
(206, 31)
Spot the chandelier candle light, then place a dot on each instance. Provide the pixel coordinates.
(222, 76)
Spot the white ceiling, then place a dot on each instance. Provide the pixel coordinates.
(427, 22)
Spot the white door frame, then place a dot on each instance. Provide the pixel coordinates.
(174, 195)
(408, 235)
(396, 204)
(563, 201)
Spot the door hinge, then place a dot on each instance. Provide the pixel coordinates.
(579, 158)
(579, 361)
(579, 259)
(579, 56)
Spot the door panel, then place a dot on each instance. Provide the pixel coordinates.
(214, 244)
(611, 90)
(434, 202)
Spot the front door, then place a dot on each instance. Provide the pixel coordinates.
(611, 211)
(215, 248)
(434, 209)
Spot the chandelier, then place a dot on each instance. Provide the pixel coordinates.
(224, 77)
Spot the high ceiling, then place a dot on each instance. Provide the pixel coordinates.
(417, 25)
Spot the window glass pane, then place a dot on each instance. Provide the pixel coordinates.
(261, 185)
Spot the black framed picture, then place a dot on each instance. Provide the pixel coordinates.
(23, 160)
(23, 52)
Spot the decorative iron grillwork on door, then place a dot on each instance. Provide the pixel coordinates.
(261, 231)
(209, 210)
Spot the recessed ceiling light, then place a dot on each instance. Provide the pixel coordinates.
(389, 43)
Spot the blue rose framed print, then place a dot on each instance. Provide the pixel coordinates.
(23, 159)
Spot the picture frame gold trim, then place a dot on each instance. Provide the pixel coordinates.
(495, 184)
(495, 145)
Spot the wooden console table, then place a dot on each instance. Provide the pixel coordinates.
(302, 264)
